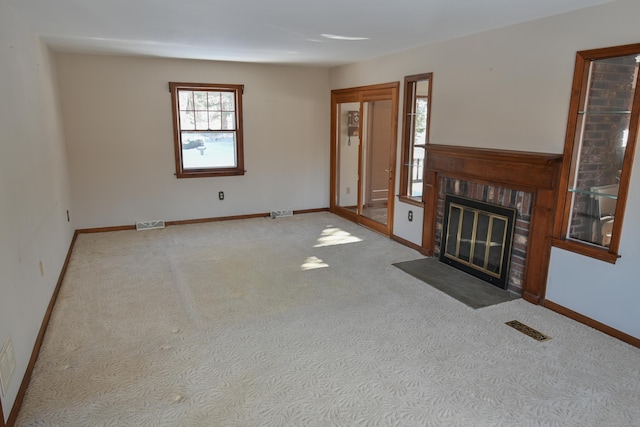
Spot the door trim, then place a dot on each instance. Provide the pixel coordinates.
(362, 94)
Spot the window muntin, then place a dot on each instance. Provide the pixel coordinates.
(415, 135)
(207, 129)
(601, 135)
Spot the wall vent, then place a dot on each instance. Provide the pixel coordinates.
(281, 213)
(149, 225)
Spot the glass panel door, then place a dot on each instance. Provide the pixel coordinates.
(377, 170)
(348, 147)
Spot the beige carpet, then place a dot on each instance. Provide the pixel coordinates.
(303, 321)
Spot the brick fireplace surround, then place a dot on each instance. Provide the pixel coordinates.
(519, 200)
(522, 180)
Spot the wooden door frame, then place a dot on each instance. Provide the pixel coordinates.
(362, 94)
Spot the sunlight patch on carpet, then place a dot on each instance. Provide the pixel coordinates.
(335, 236)
(312, 262)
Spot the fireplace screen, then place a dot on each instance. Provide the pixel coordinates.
(477, 238)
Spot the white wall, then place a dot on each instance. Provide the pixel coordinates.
(408, 230)
(117, 118)
(604, 292)
(34, 190)
(509, 89)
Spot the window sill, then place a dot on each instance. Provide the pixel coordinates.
(411, 201)
(596, 252)
(208, 174)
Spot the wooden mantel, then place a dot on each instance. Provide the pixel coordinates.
(536, 173)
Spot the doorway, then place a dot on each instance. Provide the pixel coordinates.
(363, 154)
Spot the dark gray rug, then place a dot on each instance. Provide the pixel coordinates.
(465, 288)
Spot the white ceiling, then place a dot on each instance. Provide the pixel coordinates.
(274, 31)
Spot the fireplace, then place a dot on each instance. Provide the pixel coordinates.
(499, 197)
(523, 181)
(477, 238)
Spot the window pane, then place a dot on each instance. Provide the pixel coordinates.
(228, 121)
(420, 135)
(214, 121)
(228, 101)
(200, 100)
(187, 120)
(416, 172)
(612, 84)
(214, 101)
(185, 99)
(601, 137)
(202, 120)
(201, 150)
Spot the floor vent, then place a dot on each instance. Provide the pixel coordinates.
(282, 212)
(538, 336)
(149, 225)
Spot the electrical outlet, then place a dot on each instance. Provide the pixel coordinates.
(410, 216)
(221, 195)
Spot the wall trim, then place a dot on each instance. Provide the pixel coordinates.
(105, 229)
(234, 217)
(306, 211)
(195, 221)
(17, 404)
(2, 424)
(592, 323)
(406, 243)
(215, 219)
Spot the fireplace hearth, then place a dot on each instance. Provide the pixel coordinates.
(477, 238)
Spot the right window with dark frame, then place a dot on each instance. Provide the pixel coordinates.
(599, 150)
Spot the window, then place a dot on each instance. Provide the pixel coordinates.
(599, 150)
(415, 135)
(207, 129)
